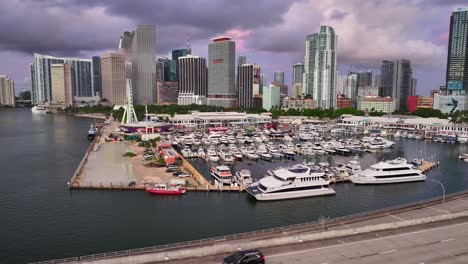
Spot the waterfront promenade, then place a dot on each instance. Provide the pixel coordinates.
(412, 229)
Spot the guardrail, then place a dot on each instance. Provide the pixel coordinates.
(273, 230)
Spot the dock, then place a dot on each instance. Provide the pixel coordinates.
(428, 165)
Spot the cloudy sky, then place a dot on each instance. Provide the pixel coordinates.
(270, 33)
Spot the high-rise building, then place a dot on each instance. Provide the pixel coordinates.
(160, 69)
(248, 84)
(144, 64)
(364, 78)
(41, 87)
(221, 68)
(271, 97)
(414, 86)
(298, 72)
(167, 93)
(283, 90)
(193, 76)
(125, 44)
(457, 58)
(396, 81)
(378, 80)
(320, 67)
(97, 81)
(62, 84)
(170, 71)
(241, 60)
(176, 54)
(279, 77)
(114, 78)
(7, 91)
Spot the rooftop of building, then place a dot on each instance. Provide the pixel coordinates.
(221, 38)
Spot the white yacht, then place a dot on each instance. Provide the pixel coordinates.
(288, 183)
(244, 177)
(391, 171)
(38, 110)
(222, 174)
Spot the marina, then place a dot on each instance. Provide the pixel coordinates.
(315, 147)
(62, 140)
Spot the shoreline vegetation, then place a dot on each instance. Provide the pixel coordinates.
(459, 117)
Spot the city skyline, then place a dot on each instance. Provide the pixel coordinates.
(419, 36)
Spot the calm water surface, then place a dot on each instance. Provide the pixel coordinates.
(41, 219)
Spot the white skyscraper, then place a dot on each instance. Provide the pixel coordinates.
(320, 67)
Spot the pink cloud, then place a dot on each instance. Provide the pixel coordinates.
(239, 36)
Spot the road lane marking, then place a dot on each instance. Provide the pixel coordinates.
(447, 240)
(389, 251)
(438, 210)
(363, 241)
(396, 217)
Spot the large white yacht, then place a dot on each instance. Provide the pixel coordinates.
(38, 110)
(391, 171)
(288, 183)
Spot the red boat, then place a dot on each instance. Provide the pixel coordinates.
(166, 190)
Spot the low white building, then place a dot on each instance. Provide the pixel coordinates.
(375, 103)
(219, 119)
(450, 103)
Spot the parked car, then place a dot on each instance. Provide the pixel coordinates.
(184, 175)
(251, 256)
(172, 169)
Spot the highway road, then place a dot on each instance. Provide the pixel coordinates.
(442, 244)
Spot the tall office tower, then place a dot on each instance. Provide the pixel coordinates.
(396, 81)
(160, 69)
(7, 91)
(97, 82)
(377, 80)
(144, 64)
(283, 89)
(457, 58)
(62, 84)
(364, 79)
(248, 84)
(221, 68)
(170, 71)
(125, 44)
(193, 76)
(114, 78)
(271, 97)
(241, 60)
(298, 72)
(176, 54)
(279, 77)
(414, 86)
(320, 67)
(351, 88)
(41, 88)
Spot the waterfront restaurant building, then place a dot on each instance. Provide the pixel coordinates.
(207, 119)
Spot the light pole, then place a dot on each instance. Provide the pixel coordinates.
(443, 190)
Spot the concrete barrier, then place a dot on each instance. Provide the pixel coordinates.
(225, 248)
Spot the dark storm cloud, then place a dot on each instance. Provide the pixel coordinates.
(338, 14)
(70, 27)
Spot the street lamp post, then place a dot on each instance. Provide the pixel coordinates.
(443, 190)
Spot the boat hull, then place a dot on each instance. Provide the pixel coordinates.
(373, 180)
(165, 192)
(294, 194)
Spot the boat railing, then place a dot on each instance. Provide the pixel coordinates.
(225, 238)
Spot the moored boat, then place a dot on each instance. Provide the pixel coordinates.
(165, 189)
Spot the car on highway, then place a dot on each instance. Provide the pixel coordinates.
(251, 256)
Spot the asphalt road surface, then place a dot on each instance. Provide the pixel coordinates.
(436, 244)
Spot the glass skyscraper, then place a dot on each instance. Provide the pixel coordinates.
(457, 58)
(320, 67)
(41, 85)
